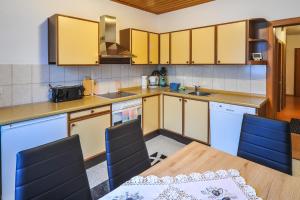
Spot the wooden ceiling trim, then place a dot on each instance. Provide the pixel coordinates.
(161, 6)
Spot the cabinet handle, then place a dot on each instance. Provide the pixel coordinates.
(96, 62)
(185, 101)
(145, 100)
(133, 62)
(73, 125)
(180, 100)
(187, 62)
(167, 62)
(92, 111)
(150, 62)
(219, 61)
(193, 62)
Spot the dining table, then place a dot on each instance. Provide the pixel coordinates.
(269, 184)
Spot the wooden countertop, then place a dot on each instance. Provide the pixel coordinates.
(196, 157)
(14, 114)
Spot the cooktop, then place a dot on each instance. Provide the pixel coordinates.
(116, 95)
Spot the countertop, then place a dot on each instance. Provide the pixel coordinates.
(14, 114)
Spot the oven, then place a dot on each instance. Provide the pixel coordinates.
(126, 110)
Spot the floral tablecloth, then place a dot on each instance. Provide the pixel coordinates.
(219, 185)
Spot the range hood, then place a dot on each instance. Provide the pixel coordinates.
(110, 51)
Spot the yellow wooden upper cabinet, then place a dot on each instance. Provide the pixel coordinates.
(165, 48)
(203, 45)
(151, 114)
(73, 41)
(139, 46)
(153, 48)
(231, 47)
(180, 47)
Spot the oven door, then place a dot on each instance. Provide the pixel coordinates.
(122, 116)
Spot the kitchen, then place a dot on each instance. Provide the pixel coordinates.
(215, 54)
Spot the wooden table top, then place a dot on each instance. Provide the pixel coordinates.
(196, 157)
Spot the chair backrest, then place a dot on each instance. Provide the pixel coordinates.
(126, 152)
(266, 142)
(52, 171)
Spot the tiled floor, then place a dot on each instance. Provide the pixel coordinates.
(97, 175)
(292, 109)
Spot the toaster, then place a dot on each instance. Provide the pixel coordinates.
(66, 93)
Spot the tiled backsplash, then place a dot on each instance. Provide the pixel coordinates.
(21, 84)
(245, 78)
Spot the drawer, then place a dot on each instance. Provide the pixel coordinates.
(88, 112)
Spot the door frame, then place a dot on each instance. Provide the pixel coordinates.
(296, 71)
(272, 69)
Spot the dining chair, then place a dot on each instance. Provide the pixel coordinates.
(126, 152)
(266, 142)
(52, 171)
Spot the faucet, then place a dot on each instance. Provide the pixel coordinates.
(197, 88)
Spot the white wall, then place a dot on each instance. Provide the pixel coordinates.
(293, 41)
(23, 35)
(220, 11)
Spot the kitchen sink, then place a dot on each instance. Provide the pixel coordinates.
(200, 93)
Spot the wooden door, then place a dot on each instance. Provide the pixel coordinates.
(77, 41)
(139, 47)
(231, 43)
(165, 48)
(180, 47)
(91, 132)
(153, 48)
(173, 114)
(297, 73)
(203, 45)
(151, 114)
(196, 120)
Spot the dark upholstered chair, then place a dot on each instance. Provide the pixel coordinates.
(53, 171)
(126, 152)
(266, 142)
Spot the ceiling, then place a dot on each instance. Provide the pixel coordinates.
(161, 6)
(293, 30)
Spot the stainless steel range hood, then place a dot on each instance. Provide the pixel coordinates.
(110, 51)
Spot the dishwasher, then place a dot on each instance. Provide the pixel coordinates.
(225, 126)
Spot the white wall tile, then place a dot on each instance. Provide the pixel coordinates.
(258, 79)
(96, 72)
(40, 92)
(125, 71)
(207, 77)
(71, 74)
(40, 73)
(219, 78)
(231, 73)
(21, 94)
(124, 82)
(57, 74)
(5, 74)
(84, 72)
(106, 71)
(5, 95)
(21, 74)
(244, 79)
(115, 71)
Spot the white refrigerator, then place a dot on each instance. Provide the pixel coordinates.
(25, 135)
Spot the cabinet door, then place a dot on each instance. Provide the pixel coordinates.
(180, 47)
(196, 120)
(173, 114)
(91, 132)
(165, 48)
(77, 41)
(153, 48)
(150, 114)
(139, 45)
(232, 43)
(203, 45)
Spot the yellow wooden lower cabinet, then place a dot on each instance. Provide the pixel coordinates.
(173, 114)
(296, 167)
(150, 114)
